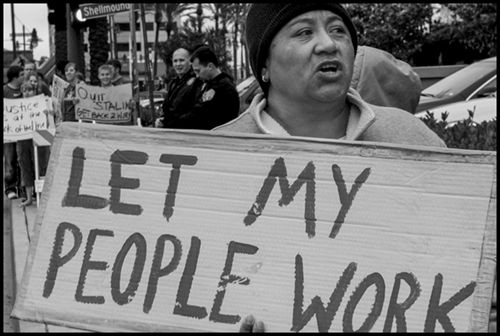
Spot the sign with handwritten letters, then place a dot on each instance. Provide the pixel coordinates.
(58, 87)
(143, 229)
(22, 116)
(103, 105)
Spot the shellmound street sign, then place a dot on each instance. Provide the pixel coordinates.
(95, 10)
(144, 229)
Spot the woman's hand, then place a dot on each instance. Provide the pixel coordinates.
(251, 325)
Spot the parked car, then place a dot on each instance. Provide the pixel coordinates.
(474, 81)
(247, 89)
(484, 109)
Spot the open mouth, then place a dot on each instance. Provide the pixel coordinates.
(329, 68)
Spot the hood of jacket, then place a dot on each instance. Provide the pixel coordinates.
(383, 80)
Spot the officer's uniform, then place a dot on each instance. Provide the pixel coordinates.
(217, 103)
(182, 94)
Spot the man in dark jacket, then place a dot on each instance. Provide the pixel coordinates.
(218, 101)
(182, 91)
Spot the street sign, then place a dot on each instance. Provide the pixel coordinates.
(96, 10)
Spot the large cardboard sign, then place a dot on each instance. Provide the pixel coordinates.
(145, 229)
(22, 116)
(104, 105)
(58, 87)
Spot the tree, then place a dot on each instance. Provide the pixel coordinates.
(398, 28)
(407, 31)
(237, 13)
(98, 46)
(168, 13)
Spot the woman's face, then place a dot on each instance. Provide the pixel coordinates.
(70, 73)
(29, 93)
(33, 80)
(311, 58)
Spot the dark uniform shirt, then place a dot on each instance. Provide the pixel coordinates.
(217, 104)
(182, 94)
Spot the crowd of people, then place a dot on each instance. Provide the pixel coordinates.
(316, 82)
(19, 167)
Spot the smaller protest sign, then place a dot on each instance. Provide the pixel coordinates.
(58, 87)
(22, 116)
(104, 105)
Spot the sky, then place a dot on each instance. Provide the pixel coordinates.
(31, 16)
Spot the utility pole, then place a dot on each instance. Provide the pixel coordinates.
(24, 43)
(133, 64)
(14, 52)
(147, 63)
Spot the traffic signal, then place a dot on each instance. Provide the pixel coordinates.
(57, 15)
(34, 39)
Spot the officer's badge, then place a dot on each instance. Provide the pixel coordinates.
(190, 81)
(208, 95)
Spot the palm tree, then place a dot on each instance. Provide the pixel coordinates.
(237, 14)
(98, 46)
(168, 13)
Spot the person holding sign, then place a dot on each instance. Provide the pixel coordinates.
(68, 106)
(12, 90)
(30, 70)
(303, 57)
(25, 155)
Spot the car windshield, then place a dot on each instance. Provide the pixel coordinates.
(458, 81)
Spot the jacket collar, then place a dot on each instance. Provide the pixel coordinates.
(361, 116)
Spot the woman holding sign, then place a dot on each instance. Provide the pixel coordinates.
(25, 154)
(303, 56)
(68, 105)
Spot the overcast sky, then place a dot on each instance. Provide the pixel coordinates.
(31, 16)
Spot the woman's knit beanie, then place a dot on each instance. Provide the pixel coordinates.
(264, 21)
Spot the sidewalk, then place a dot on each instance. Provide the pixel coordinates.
(23, 221)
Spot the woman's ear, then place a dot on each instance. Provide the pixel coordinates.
(264, 75)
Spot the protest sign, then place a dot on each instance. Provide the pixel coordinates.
(22, 116)
(145, 229)
(103, 105)
(58, 87)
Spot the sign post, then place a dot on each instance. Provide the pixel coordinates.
(162, 230)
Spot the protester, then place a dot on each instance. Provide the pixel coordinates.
(305, 71)
(217, 103)
(116, 68)
(25, 155)
(105, 72)
(68, 106)
(383, 80)
(43, 151)
(182, 91)
(33, 80)
(12, 90)
(303, 55)
(30, 69)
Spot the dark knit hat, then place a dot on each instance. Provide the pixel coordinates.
(264, 21)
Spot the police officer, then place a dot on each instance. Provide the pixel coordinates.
(182, 91)
(218, 101)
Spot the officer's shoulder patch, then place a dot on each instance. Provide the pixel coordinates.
(191, 81)
(208, 95)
